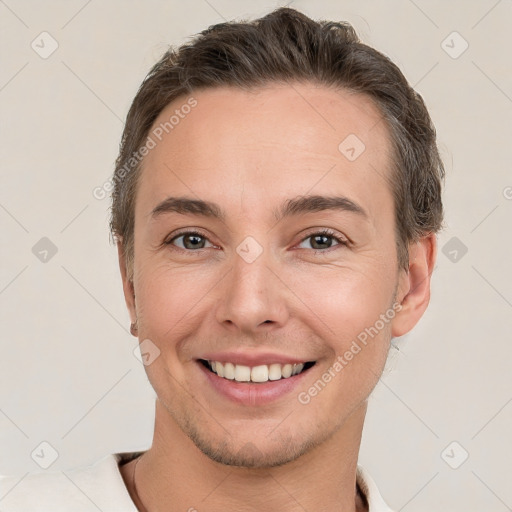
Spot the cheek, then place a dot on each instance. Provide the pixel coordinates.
(346, 301)
(169, 299)
(350, 317)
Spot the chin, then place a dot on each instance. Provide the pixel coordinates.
(250, 456)
(251, 451)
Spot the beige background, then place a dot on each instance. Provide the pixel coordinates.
(67, 369)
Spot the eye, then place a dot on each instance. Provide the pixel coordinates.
(322, 240)
(190, 240)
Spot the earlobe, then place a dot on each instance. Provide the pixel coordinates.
(128, 288)
(414, 287)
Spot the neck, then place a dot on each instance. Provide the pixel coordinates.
(174, 471)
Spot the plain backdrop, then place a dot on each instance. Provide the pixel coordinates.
(437, 435)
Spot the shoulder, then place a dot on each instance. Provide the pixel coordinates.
(369, 488)
(98, 486)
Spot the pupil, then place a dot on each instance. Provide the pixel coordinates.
(325, 239)
(193, 245)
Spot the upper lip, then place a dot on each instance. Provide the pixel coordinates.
(253, 359)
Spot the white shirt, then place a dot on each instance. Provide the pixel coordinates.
(100, 487)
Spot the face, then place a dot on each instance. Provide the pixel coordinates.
(281, 250)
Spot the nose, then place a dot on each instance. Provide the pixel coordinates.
(253, 298)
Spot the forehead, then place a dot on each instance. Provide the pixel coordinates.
(254, 148)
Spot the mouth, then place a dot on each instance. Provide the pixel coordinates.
(256, 374)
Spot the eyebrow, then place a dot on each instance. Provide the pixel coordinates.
(188, 206)
(291, 207)
(317, 203)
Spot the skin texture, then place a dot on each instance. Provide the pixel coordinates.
(248, 152)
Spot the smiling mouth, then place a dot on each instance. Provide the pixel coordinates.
(256, 374)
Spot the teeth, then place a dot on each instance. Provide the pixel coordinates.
(297, 368)
(274, 371)
(259, 373)
(262, 373)
(242, 373)
(229, 370)
(287, 370)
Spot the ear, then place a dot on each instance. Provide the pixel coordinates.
(128, 289)
(414, 286)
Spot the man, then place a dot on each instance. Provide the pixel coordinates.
(275, 207)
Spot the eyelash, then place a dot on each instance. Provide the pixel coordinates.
(328, 233)
(322, 232)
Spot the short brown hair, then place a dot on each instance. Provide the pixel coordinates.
(286, 46)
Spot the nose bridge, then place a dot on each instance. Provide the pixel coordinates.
(252, 299)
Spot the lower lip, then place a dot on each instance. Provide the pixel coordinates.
(251, 393)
